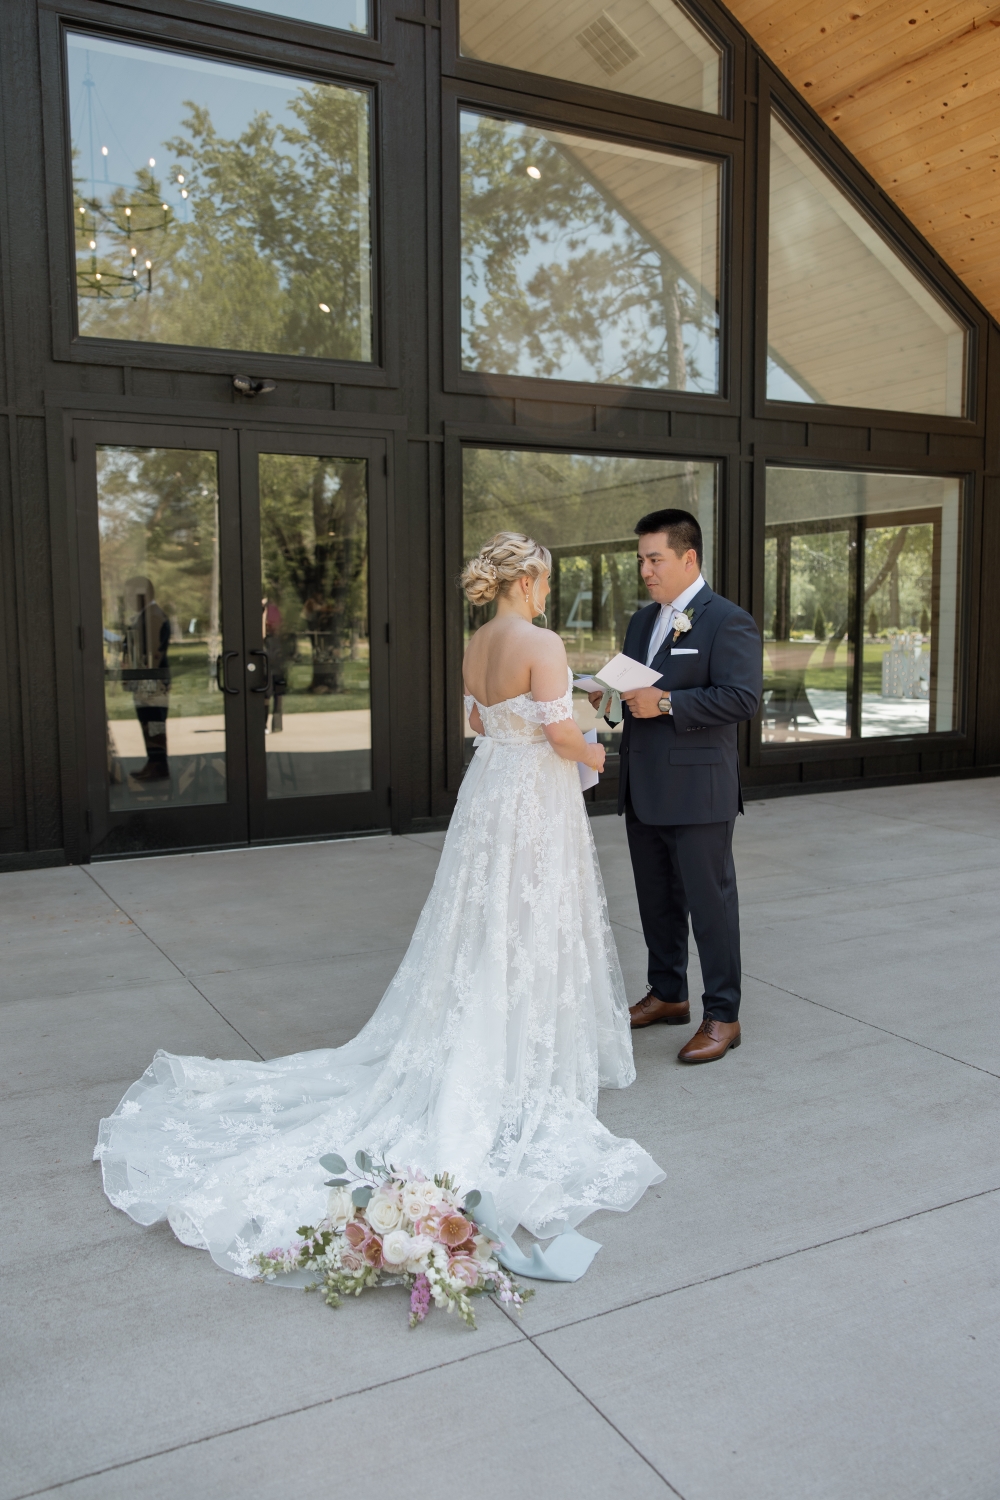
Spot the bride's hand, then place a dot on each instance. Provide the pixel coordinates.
(595, 758)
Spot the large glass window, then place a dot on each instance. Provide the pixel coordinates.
(314, 568)
(861, 598)
(848, 322)
(650, 48)
(342, 15)
(158, 520)
(588, 260)
(218, 206)
(583, 507)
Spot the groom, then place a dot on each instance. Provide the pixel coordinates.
(680, 781)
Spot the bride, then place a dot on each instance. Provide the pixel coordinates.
(487, 1050)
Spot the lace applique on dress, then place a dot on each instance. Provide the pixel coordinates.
(483, 1058)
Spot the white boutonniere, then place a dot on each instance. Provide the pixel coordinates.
(682, 622)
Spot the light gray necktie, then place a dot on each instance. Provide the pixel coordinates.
(660, 629)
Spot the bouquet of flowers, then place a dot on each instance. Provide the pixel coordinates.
(391, 1227)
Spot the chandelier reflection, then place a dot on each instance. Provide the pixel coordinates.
(120, 237)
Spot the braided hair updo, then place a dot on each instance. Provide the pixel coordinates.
(504, 559)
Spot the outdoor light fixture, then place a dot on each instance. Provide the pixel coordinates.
(533, 172)
(249, 387)
(323, 307)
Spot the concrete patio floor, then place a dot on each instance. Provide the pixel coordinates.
(809, 1306)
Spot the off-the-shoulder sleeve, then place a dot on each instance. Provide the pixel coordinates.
(552, 712)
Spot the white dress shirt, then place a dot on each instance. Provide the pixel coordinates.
(666, 616)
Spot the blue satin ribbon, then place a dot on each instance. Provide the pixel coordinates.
(611, 706)
(565, 1258)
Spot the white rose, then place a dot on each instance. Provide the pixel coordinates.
(419, 1249)
(339, 1207)
(414, 1206)
(382, 1214)
(396, 1247)
(682, 623)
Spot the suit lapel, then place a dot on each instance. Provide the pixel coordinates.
(698, 606)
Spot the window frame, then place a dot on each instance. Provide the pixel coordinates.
(863, 193)
(97, 18)
(728, 37)
(460, 435)
(867, 748)
(545, 114)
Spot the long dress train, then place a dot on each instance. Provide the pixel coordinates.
(483, 1059)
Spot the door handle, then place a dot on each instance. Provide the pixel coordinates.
(265, 686)
(221, 662)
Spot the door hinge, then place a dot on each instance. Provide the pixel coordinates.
(387, 633)
(72, 449)
(79, 636)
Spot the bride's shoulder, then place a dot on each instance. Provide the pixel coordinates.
(547, 645)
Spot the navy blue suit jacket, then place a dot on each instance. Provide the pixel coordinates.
(683, 767)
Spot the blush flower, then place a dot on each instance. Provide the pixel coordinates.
(453, 1230)
(464, 1268)
(356, 1233)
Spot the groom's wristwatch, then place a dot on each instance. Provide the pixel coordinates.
(664, 704)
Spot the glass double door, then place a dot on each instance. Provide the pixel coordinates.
(234, 635)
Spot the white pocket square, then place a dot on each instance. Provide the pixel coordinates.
(684, 651)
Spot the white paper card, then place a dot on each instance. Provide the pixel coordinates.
(588, 684)
(625, 675)
(588, 778)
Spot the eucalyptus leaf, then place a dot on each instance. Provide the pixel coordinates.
(338, 1182)
(361, 1197)
(472, 1200)
(364, 1162)
(333, 1163)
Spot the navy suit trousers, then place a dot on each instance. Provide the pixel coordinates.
(680, 870)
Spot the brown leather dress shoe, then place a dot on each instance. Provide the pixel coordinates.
(651, 1009)
(712, 1039)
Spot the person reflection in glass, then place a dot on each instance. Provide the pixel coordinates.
(275, 646)
(147, 674)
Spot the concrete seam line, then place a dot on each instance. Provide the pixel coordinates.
(211, 1437)
(604, 1417)
(769, 1260)
(187, 979)
(897, 1035)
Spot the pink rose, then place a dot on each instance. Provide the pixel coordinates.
(351, 1260)
(454, 1230)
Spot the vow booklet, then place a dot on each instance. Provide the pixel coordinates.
(622, 674)
(588, 778)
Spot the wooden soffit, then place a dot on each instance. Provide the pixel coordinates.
(913, 91)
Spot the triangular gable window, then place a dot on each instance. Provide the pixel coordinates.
(849, 324)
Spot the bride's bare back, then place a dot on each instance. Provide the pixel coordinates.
(509, 656)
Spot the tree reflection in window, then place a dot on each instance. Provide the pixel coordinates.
(218, 206)
(587, 260)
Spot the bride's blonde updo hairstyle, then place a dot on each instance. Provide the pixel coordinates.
(504, 559)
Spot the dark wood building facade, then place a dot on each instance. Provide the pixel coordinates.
(300, 303)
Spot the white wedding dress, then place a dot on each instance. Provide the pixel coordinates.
(483, 1059)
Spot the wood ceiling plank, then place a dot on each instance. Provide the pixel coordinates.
(881, 84)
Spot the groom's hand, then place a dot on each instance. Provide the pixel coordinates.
(644, 702)
(595, 699)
